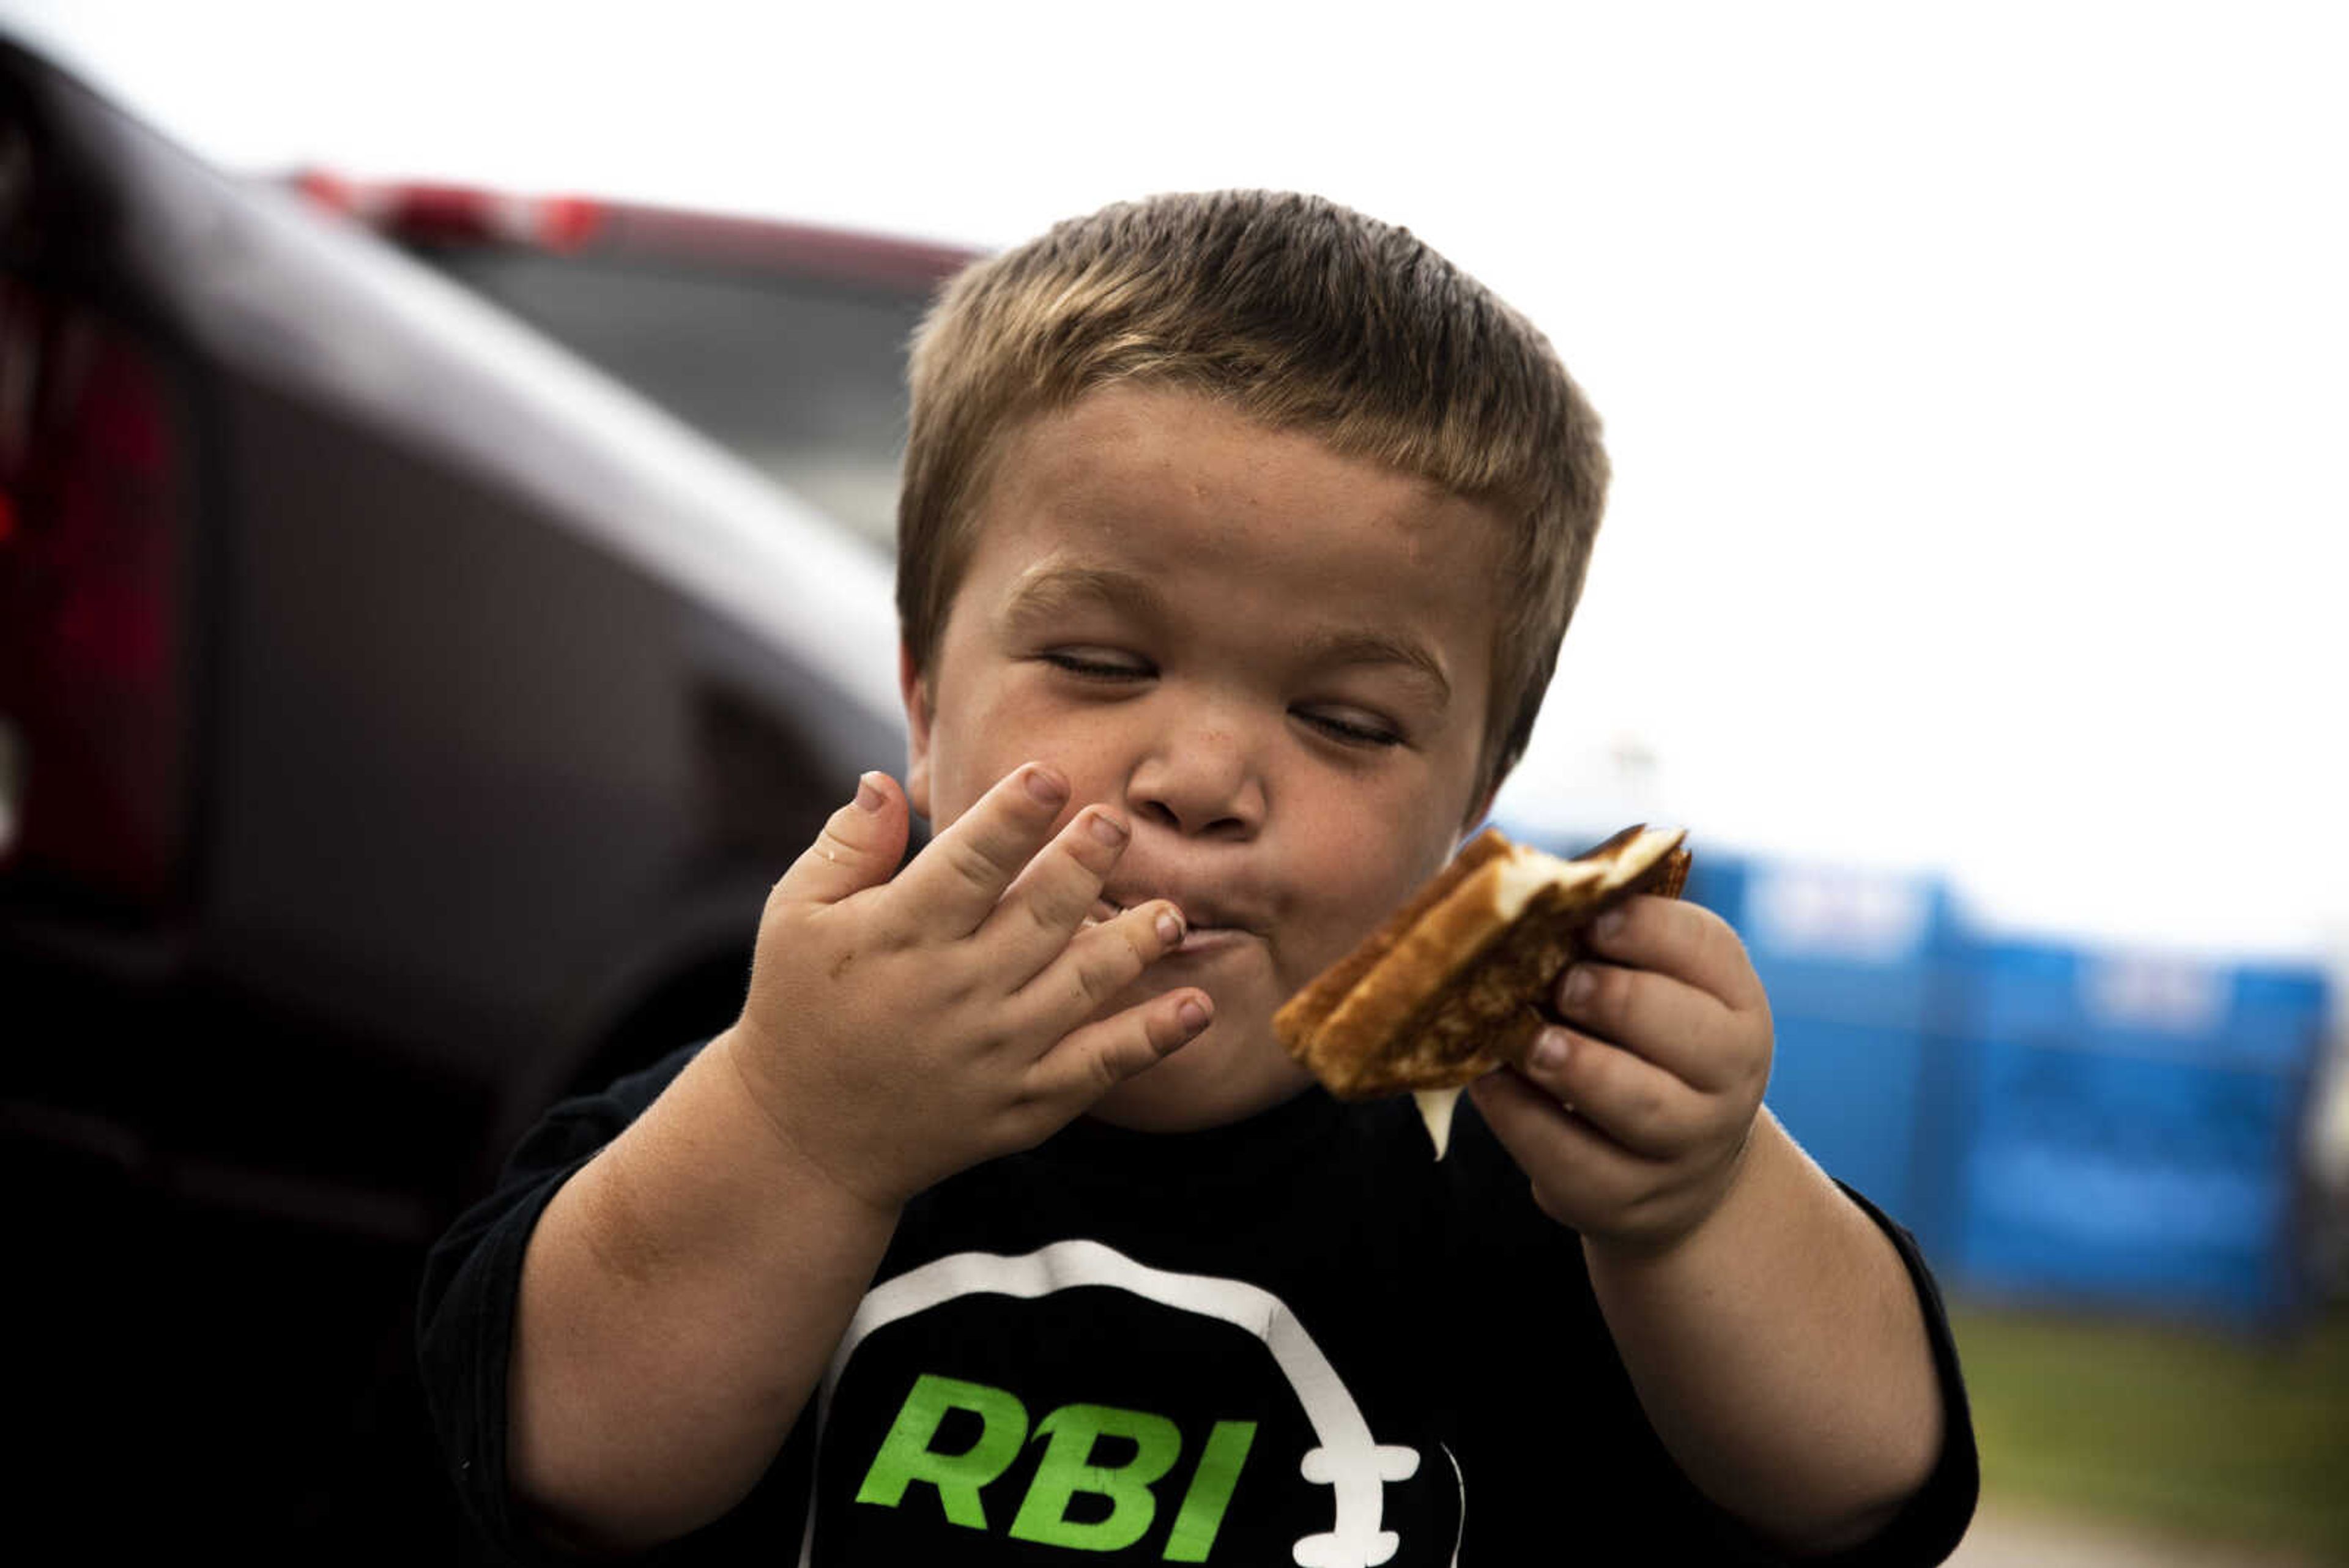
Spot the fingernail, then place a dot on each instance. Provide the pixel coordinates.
(1193, 1016)
(1048, 787)
(1609, 926)
(869, 795)
(1580, 982)
(1107, 830)
(1170, 928)
(1550, 1051)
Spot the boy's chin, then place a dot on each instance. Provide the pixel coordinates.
(1217, 1079)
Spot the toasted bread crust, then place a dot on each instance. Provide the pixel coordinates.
(1303, 1015)
(1459, 988)
(1441, 998)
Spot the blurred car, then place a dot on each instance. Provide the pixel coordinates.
(401, 722)
(784, 343)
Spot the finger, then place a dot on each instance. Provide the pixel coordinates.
(1684, 940)
(1635, 1103)
(1098, 963)
(1055, 895)
(1088, 1062)
(1683, 1030)
(1576, 1171)
(859, 848)
(957, 879)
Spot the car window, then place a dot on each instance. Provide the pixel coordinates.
(804, 378)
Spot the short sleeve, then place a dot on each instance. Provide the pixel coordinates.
(473, 1280)
(1930, 1526)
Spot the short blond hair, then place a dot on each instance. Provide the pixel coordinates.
(1296, 312)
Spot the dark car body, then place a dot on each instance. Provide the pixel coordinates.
(400, 723)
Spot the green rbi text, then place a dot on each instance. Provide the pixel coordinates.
(1067, 1469)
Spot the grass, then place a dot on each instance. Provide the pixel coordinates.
(2189, 1432)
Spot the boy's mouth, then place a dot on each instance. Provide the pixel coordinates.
(1207, 925)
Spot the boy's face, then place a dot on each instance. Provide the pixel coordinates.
(1272, 660)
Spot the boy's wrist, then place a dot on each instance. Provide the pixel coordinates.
(1735, 1192)
(784, 1139)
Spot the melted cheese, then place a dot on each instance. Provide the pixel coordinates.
(1635, 857)
(1527, 871)
(1435, 1107)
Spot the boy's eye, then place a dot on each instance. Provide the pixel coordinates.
(1097, 664)
(1352, 729)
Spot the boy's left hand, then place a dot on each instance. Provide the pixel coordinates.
(1632, 1122)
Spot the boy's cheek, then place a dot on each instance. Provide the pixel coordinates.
(1369, 875)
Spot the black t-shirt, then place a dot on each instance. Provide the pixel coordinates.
(1295, 1339)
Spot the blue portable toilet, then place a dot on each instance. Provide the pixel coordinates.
(1853, 961)
(2135, 1128)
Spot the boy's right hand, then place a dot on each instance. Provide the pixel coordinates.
(900, 1030)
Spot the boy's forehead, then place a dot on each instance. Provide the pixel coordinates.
(1146, 464)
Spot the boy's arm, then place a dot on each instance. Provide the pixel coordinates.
(682, 1293)
(1780, 1354)
(679, 1298)
(1770, 1327)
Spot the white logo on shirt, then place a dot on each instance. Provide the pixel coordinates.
(1347, 1460)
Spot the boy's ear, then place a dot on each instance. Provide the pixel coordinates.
(915, 693)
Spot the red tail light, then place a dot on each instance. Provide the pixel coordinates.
(420, 213)
(94, 486)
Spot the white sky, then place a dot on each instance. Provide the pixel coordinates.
(1976, 376)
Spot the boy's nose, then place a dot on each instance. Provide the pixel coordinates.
(1200, 783)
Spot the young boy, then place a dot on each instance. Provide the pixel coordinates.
(1238, 536)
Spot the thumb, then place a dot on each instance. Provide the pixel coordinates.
(859, 848)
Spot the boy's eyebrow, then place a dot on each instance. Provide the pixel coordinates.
(1049, 588)
(1053, 585)
(1381, 647)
